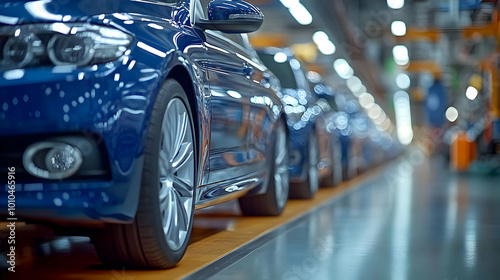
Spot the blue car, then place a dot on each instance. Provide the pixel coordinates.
(304, 117)
(120, 118)
(333, 144)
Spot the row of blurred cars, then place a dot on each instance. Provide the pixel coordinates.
(119, 121)
(332, 139)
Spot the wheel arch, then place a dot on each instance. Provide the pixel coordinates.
(182, 75)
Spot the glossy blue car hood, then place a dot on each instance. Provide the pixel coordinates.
(18, 12)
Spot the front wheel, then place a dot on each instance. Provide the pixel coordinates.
(159, 235)
(274, 200)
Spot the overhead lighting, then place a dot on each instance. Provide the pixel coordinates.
(298, 11)
(398, 28)
(375, 111)
(366, 100)
(386, 124)
(400, 53)
(354, 84)
(343, 68)
(471, 93)
(280, 57)
(403, 81)
(395, 4)
(403, 117)
(361, 90)
(290, 3)
(452, 114)
(325, 46)
(381, 119)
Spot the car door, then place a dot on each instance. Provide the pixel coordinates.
(230, 92)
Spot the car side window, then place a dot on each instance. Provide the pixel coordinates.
(234, 39)
(241, 41)
(198, 10)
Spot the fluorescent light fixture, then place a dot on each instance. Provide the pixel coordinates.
(361, 90)
(290, 3)
(325, 46)
(381, 119)
(298, 11)
(452, 114)
(403, 81)
(375, 111)
(366, 100)
(403, 117)
(395, 4)
(354, 84)
(343, 68)
(471, 93)
(280, 57)
(400, 53)
(398, 28)
(386, 124)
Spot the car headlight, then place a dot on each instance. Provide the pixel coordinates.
(78, 44)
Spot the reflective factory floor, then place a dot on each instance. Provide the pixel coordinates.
(409, 219)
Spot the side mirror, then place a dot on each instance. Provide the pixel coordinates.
(236, 16)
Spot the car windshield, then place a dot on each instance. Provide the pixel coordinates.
(282, 70)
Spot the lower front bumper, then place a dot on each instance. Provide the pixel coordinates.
(84, 202)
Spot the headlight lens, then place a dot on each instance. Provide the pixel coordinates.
(76, 49)
(17, 50)
(78, 44)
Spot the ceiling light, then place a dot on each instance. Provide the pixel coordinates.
(324, 44)
(398, 28)
(298, 11)
(452, 114)
(395, 4)
(403, 117)
(403, 81)
(400, 53)
(366, 100)
(362, 89)
(471, 93)
(375, 111)
(280, 57)
(354, 84)
(343, 68)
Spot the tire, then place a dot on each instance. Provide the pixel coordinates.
(336, 176)
(308, 188)
(160, 233)
(273, 201)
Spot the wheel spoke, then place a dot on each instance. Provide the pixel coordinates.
(164, 197)
(180, 133)
(282, 169)
(164, 166)
(281, 157)
(173, 230)
(184, 154)
(168, 214)
(183, 187)
(183, 218)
